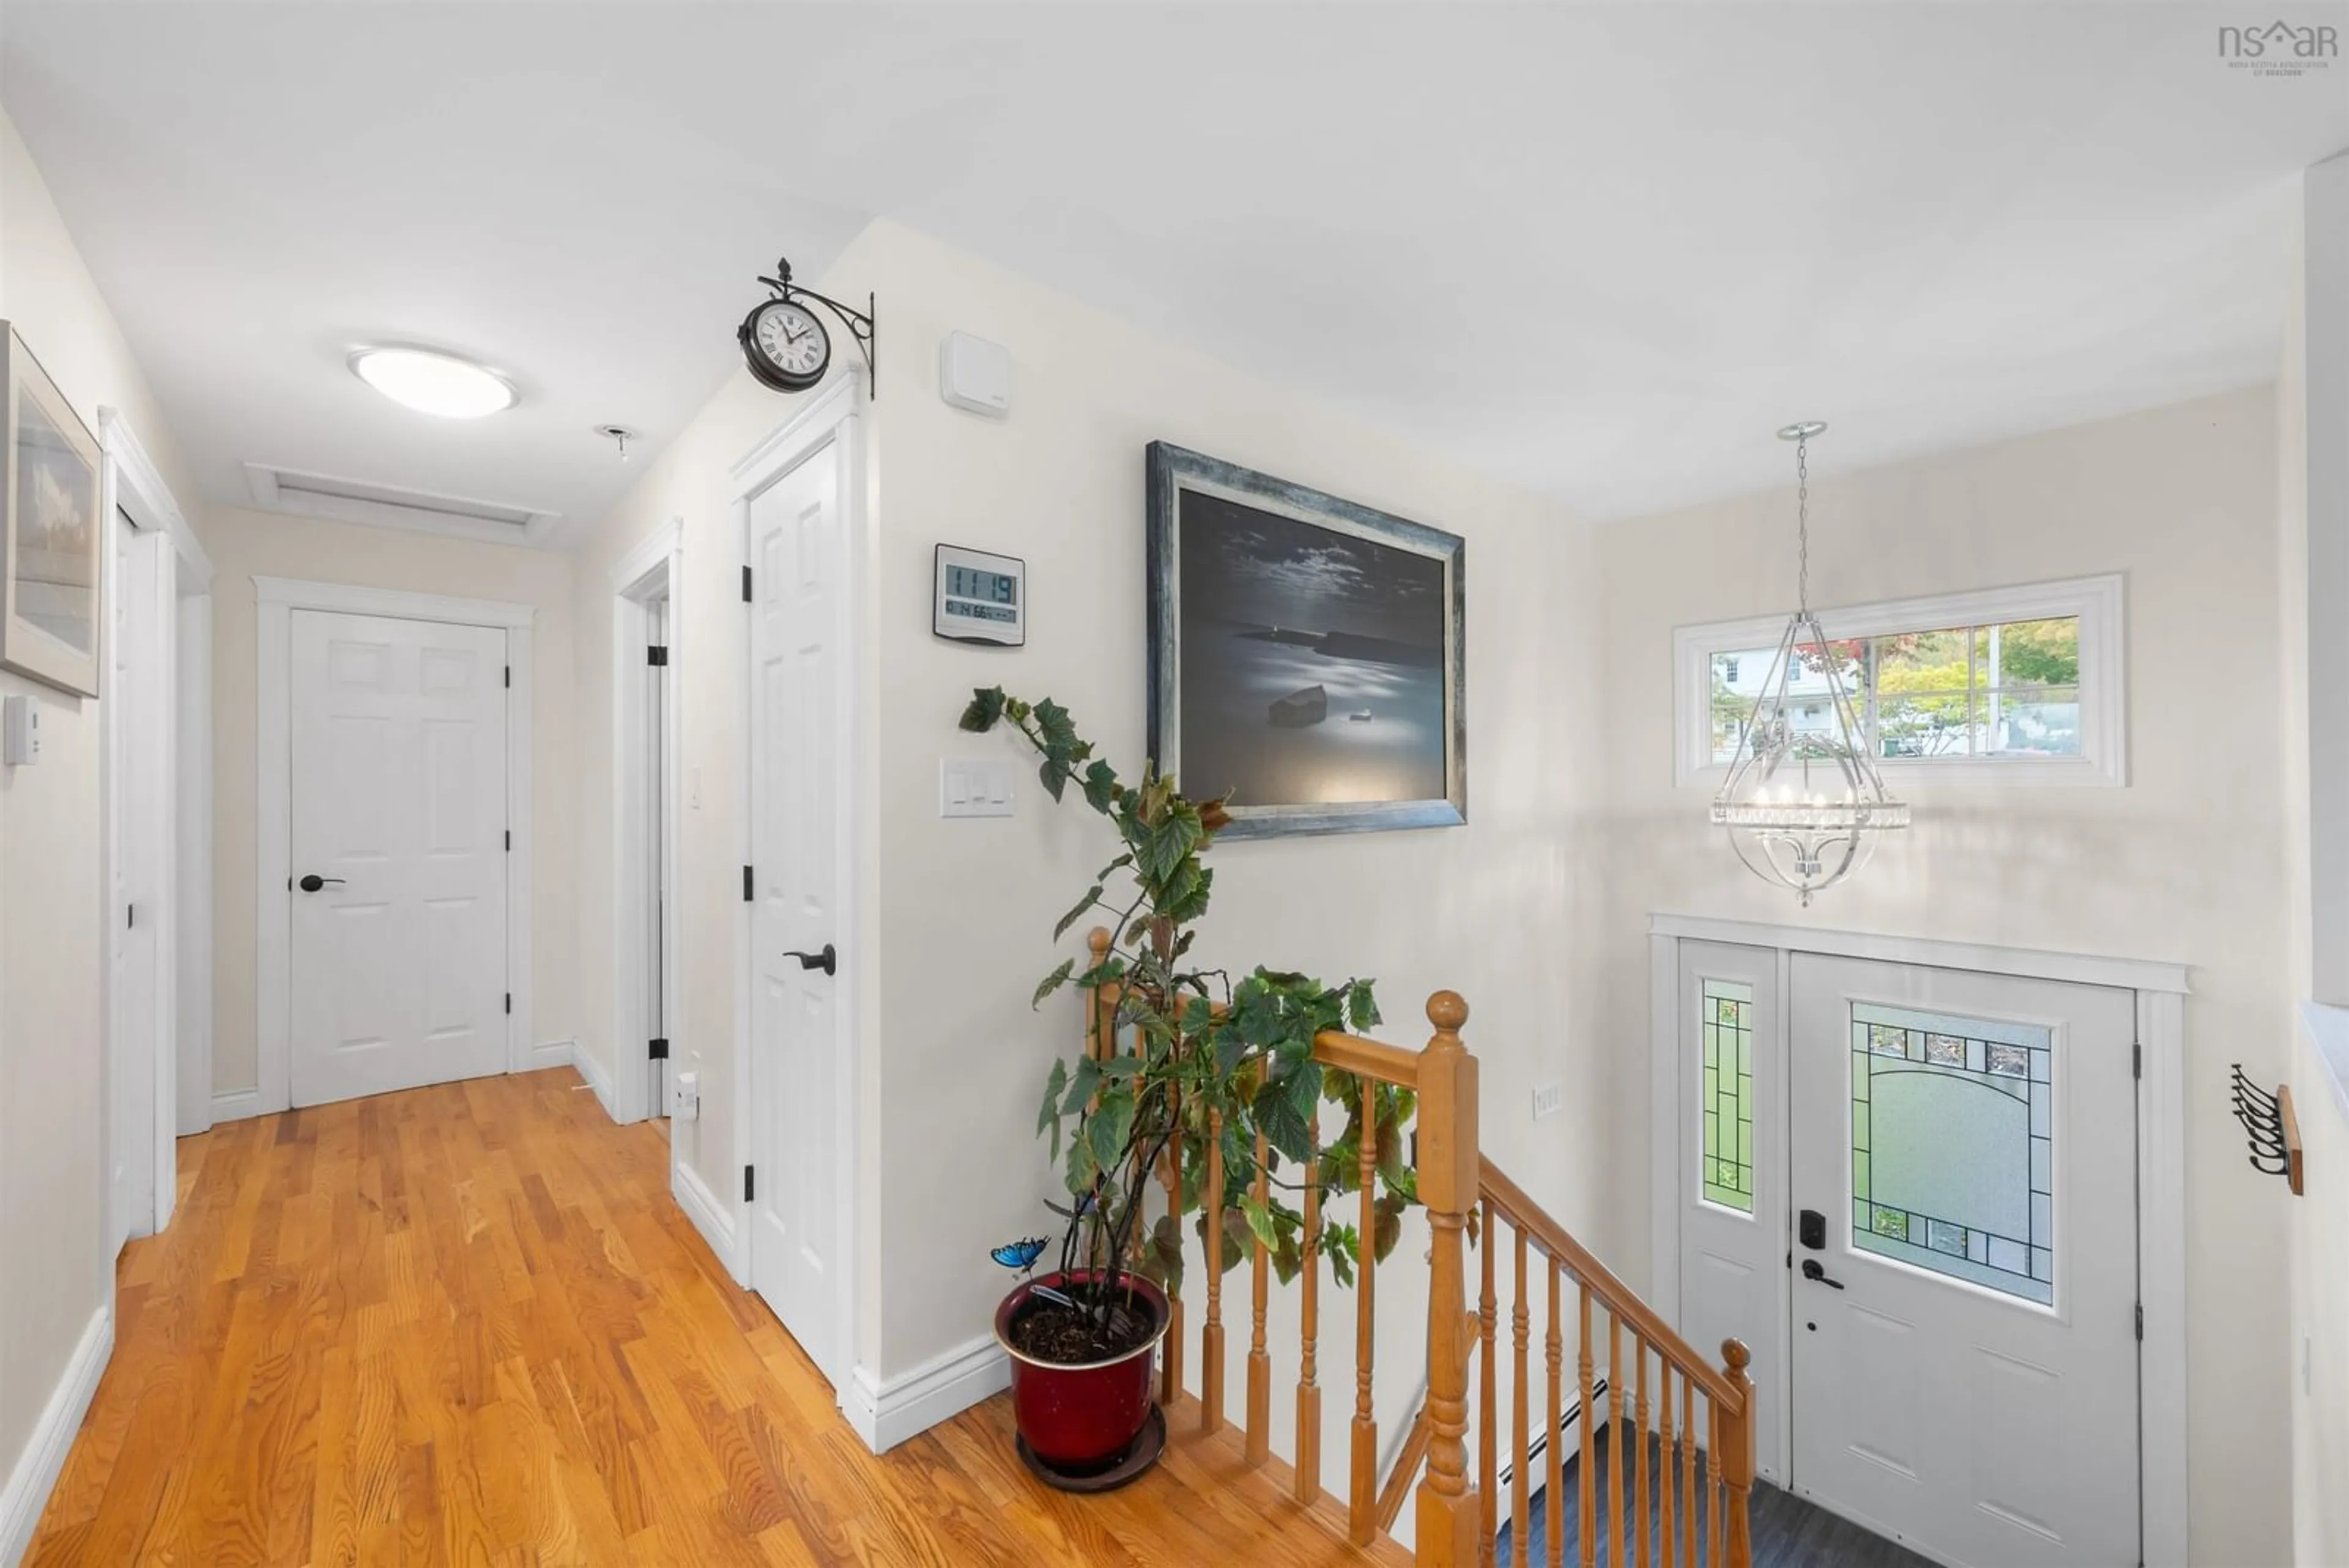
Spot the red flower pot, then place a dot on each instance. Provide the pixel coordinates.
(1079, 1419)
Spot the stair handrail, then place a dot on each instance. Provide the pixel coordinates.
(1552, 1239)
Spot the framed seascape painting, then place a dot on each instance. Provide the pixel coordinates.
(1307, 654)
(51, 561)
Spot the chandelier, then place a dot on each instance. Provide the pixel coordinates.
(1803, 804)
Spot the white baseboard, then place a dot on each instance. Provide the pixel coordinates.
(235, 1105)
(36, 1473)
(885, 1412)
(552, 1053)
(713, 1219)
(598, 1077)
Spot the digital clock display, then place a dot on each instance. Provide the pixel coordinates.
(979, 598)
(971, 582)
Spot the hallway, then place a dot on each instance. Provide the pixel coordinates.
(467, 1325)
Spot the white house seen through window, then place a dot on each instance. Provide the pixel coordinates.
(2011, 690)
(2000, 685)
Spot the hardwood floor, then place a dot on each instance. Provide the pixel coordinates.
(468, 1325)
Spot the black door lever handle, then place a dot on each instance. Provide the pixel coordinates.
(313, 882)
(1812, 1270)
(827, 961)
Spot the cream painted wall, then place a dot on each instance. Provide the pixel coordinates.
(951, 1048)
(243, 545)
(54, 1273)
(2187, 864)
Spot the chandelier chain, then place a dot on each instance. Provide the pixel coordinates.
(1802, 523)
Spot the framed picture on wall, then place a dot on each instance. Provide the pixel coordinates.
(1307, 654)
(49, 603)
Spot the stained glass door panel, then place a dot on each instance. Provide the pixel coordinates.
(1964, 1356)
(1731, 1160)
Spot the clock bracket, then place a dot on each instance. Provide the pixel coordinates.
(859, 323)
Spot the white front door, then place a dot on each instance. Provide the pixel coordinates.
(797, 617)
(1964, 1282)
(399, 847)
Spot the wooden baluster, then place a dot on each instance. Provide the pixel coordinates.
(1688, 1474)
(1520, 1418)
(1554, 1484)
(1362, 1495)
(1587, 1519)
(1448, 1517)
(1639, 1515)
(1618, 1477)
(1211, 1333)
(1260, 1365)
(1101, 1032)
(1170, 1382)
(1488, 1415)
(1737, 1457)
(1667, 1504)
(1308, 1391)
(1712, 1474)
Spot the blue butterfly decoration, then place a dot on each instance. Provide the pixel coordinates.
(1021, 1255)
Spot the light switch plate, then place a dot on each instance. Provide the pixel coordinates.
(974, 787)
(1547, 1099)
(22, 724)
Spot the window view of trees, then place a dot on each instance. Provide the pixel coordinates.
(2006, 691)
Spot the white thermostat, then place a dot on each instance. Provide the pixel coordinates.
(975, 374)
(981, 598)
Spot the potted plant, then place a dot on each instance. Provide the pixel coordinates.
(1192, 1054)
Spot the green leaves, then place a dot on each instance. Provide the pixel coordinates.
(1110, 1126)
(1234, 1057)
(1093, 897)
(1052, 983)
(985, 708)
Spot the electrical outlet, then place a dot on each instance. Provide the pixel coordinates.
(686, 1095)
(1548, 1098)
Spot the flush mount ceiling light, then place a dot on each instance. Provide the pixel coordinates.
(430, 383)
(1803, 802)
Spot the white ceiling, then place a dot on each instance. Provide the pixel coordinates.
(1602, 251)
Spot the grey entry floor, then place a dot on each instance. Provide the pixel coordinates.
(1787, 1532)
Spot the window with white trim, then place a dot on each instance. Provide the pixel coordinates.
(2007, 685)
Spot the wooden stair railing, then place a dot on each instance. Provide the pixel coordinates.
(1675, 1519)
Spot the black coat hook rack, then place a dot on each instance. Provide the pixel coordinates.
(2272, 1126)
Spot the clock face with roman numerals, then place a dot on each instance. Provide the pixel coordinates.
(786, 346)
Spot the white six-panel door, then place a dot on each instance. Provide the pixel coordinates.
(797, 615)
(398, 808)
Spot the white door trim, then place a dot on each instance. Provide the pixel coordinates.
(275, 600)
(655, 566)
(2161, 990)
(131, 484)
(833, 420)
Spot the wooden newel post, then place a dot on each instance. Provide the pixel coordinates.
(1449, 1513)
(1737, 1455)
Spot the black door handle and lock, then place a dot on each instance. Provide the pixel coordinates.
(827, 961)
(313, 882)
(1812, 1270)
(1811, 1228)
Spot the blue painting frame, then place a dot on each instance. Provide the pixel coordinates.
(1173, 474)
